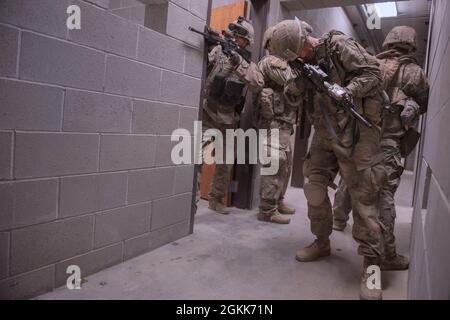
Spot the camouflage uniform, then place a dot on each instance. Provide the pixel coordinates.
(277, 110)
(407, 87)
(342, 206)
(333, 148)
(222, 117)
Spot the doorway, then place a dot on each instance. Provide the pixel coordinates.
(222, 13)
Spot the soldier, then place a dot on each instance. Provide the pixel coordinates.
(228, 75)
(339, 142)
(407, 87)
(277, 110)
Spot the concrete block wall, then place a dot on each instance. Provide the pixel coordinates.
(85, 121)
(430, 254)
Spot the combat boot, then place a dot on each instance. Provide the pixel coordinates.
(364, 292)
(397, 262)
(319, 248)
(339, 225)
(285, 209)
(274, 217)
(218, 206)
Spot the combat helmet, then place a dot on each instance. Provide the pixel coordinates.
(242, 28)
(401, 37)
(288, 38)
(267, 37)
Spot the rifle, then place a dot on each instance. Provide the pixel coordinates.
(227, 43)
(320, 80)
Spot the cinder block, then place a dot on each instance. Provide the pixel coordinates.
(44, 244)
(46, 16)
(187, 118)
(89, 263)
(92, 193)
(168, 211)
(27, 106)
(135, 3)
(137, 14)
(160, 50)
(180, 89)
(155, 239)
(180, 20)
(118, 152)
(193, 64)
(115, 4)
(129, 78)
(4, 255)
(60, 62)
(6, 140)
(145, 185)
(28, 285)
(100, 3)
(154, 117)
(184, 179)
(136, 246)
(105, 31)
(181, 3)
(53, 154)
(199, 8)
(164, 154)
(9, 42)
(28, 202)
(163, 236)
(95, 112)
(121, 224)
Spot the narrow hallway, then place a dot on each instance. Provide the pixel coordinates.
(239, 257)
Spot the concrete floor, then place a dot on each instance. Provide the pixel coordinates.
(238, 257)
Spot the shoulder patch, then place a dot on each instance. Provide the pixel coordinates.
(277, 62)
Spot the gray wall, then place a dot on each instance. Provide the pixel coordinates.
(429, 276)
(85, 121)
(322, 20)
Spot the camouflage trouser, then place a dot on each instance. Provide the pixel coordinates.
(273, 187)
(394, 170)
(221, 178)
(363, 174)
(342, 203)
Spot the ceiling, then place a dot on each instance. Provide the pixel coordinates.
(413, 13)
(317, 4)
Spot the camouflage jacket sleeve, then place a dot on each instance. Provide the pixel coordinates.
(362, 68)
(277, 70)
(249, 73)
(213, 55)
(415, 85)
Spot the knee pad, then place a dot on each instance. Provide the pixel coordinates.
(315, 193)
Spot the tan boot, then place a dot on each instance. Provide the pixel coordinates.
(317, 249)
(218, 207)
(366, 293)
(339, 225)
(285, 209)
(397, 262)
(274, 217)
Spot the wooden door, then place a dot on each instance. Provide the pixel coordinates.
(220, 18)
